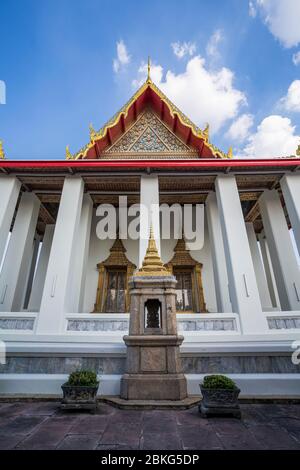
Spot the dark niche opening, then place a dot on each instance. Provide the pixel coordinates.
(153, 313)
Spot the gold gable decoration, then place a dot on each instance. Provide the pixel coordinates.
(182, 261)
(149, 135)
(117, 260)
(123, 112)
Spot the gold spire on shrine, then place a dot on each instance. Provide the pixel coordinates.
(230, 154)
(152, 264)
(2, 154)
(298, 151)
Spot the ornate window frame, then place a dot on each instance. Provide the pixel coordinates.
(182, 261)
(118, 261)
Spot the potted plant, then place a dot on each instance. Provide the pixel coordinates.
(220, 396)
(80, 391)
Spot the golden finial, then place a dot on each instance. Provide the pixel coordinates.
(298, 151)
(68, 153)
(2, 154)
(206, 132)
(148, 70)
(152, 264)
(229, 154)
(92, 131)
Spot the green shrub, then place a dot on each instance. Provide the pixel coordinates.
(83, 378)
(218, 382)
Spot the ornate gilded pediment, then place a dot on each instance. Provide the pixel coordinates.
(149, 135)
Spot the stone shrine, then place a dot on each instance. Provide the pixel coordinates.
(153, 366)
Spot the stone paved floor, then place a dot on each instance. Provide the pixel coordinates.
(41, 425)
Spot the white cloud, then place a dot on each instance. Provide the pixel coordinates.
(252, 10)
(203, 95)
(182, 49)
(239, 129)
(275, 137)
(296, 58)
(282, 18)
(213, 43)
(123, 58)
(291, 102)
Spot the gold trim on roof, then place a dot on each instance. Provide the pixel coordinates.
(2, 153)
(174, 111)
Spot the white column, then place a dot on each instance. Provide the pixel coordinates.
(269, 271)
(242, 282)
(31, 271)
(283, 256)
(82, 250)
(258, 268)
(9, 192)
(290, 185)
(15, 269)
(58, 292)
(149, 201)
(40, 274)
(218, 254)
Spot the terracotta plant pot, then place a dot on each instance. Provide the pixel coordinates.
(220, 402)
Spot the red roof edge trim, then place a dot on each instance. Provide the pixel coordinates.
(203, 163)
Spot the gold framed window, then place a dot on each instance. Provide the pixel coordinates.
(112, 291)
(188, 272)
(184, 291)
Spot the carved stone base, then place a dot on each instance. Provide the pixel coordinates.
(119, 402)
(153, 387)
(207, 411)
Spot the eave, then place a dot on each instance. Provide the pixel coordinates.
(73, 166)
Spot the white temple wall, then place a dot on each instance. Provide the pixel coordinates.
(99, 251)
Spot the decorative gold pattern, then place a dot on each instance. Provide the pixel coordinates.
(152, 264)
(182, 261)
(149, 134)
(116, 260)
(2, 154)
(69, 156)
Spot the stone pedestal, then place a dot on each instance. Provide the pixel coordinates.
(153, 367)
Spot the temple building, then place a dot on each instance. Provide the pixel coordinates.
(64, 299)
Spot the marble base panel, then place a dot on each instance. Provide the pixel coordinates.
(192, 364)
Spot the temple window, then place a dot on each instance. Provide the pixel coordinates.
(116, 291)
(114, 273)
(184, 291)
(188, 272)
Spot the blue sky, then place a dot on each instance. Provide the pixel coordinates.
(236, 66)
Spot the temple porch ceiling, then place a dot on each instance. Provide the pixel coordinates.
(182, 189)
